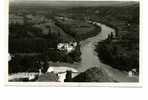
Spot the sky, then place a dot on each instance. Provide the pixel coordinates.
(75, 2)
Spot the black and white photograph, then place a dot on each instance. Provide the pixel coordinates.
(74, 42)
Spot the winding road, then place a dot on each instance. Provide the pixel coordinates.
(90, 59)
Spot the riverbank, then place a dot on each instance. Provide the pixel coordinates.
(90, 59)
(122, 52)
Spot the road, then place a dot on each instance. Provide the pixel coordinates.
(90, 59)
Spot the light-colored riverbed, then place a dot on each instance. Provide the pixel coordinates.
(90, 59)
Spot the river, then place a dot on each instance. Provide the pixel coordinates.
(90, 59)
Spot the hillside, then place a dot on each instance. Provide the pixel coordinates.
(121, 52)
(79, 29)
(92, 75)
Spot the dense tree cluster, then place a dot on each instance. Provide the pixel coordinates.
(92, 75)
(121, 52)
(77, 34)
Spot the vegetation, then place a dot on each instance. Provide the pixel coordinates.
(48, 77)
(121, 52)
(80, 30)
(92, 75)
(23, 64)
(40, 37)
(29, 62)
(28, 39)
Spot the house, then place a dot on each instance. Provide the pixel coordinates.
(62, 72)
(10, 57)
(60, 46)
(132, 72)
(23, 75)
(67, 46)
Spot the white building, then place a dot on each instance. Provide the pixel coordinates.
(60, 46)
(30, 75)
(61, 71)
(132, 72)
(67, 46)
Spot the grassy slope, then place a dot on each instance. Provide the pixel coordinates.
(122, 52)
(22, 36)
(92, 75)
(79, 29)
